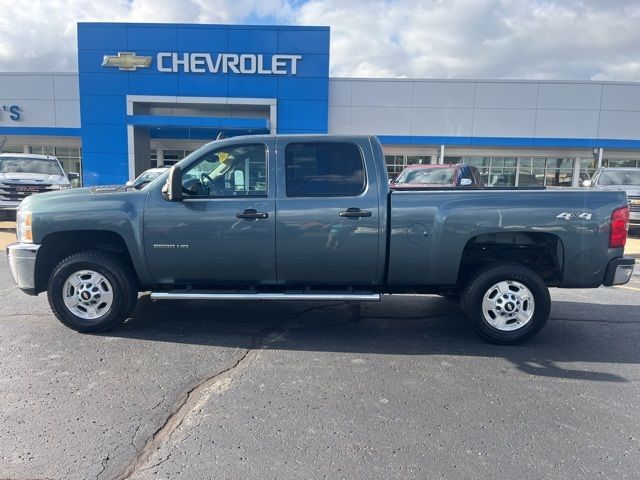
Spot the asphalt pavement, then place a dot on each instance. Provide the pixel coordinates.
(399, 389)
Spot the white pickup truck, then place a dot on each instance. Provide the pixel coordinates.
(22, 175)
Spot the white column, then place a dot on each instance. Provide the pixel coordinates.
(441, 157)
(600, 152)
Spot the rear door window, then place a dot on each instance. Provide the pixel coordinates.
(324, 169)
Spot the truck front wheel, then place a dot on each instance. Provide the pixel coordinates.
(92, 291)
(506, 303)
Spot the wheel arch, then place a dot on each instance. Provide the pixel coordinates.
(59, 245)
(542, 252)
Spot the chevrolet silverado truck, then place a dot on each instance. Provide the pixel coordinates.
(312, 217)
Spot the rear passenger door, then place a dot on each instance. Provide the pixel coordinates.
(327, 227)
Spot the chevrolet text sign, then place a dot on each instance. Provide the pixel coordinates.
(228, 63)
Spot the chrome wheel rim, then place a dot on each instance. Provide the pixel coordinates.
(87, 294)
(508, 305)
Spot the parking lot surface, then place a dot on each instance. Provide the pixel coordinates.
(403, 389)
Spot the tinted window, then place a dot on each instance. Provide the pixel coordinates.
(228, 172)
(324, 169)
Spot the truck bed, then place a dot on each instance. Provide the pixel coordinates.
(430, 229)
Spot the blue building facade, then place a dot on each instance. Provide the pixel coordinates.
(143, 81)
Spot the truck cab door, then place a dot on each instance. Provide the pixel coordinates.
(222, 232)
(328, 221)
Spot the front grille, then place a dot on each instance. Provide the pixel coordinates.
(634, 204)
(16, 192)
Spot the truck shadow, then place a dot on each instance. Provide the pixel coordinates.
(576, 332)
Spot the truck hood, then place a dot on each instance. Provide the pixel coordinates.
(33, 177)
(69, 199)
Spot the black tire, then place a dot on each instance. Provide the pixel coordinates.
(482, 282)
(123, 286)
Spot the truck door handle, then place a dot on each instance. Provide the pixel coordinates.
(251, 213)
(354, 213)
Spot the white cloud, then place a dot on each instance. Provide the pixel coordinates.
(566, 39)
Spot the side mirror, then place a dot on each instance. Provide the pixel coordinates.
(173, 188)
(465, 182)
(129, 183)
(73, 176)
(586, 183)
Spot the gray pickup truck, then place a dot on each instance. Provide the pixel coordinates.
(312, 218)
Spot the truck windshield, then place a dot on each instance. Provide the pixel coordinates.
(619, 177)
(433, 176)
(30, 165)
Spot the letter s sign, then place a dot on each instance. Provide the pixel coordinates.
(14, 113)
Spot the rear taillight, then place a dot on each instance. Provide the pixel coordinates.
(619, 227)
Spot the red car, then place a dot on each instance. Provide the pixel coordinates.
(452, 175)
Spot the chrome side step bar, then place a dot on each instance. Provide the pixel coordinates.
(204, 295)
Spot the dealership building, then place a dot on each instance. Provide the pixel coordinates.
(148, 94)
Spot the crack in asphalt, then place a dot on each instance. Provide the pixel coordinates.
(185, 406)
(195, 398)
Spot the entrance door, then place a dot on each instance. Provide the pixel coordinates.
(223, 231)
(328, 214)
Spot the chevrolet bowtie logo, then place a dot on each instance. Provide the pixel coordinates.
(128, 61)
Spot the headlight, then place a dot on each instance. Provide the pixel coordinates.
(23, 226)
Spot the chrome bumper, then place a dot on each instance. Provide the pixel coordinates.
(22, 263)
(619, 271)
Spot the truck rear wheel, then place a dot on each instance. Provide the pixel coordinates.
(92, 291)
(506, 303)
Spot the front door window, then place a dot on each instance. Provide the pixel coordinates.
(228, 172)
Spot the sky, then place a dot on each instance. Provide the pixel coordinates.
(510, 39)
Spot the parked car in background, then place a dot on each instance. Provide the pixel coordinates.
(146, 177)
(627, 179)
(420, 176)
(22, 175)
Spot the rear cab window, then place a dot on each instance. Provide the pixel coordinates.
(324, 169)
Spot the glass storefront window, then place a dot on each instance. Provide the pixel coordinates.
(173, 156)
(395, 164)
(556, 172)
(12, 149)
(418, 159)
(587, 168)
